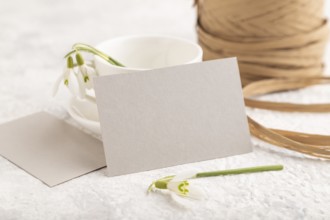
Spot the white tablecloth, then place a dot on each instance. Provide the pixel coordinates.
(34, 36)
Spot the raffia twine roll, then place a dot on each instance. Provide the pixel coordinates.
(271, 38)
(279, 45)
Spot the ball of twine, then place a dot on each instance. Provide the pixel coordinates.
(280, 46)
(271, 38)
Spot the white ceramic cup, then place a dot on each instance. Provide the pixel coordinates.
(145, 52)
(136, 53)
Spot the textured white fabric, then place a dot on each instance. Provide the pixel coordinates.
(35, 34)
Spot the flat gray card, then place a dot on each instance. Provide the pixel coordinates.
(49, 148)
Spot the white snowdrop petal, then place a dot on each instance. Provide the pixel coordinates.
(173, 186)
(73, 84)
(195, 192)
(91, 74)
(66, 73)
(90, 71)
(179, 200)
(81, 86)
(60, 79)
(184, 175)
(82, 70)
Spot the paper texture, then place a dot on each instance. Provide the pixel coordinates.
(165, 117)
(50, 149)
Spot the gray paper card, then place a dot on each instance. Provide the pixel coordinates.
(165, 117)
(49, 148)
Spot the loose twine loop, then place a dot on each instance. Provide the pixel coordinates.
(280, 46)
(311, 144)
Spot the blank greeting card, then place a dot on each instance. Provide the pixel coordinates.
(49, 148)
(170, 116)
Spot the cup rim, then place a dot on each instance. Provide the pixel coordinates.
(196, 45)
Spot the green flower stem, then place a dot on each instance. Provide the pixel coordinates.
(162, 183)
(90, 49)
(240, 171)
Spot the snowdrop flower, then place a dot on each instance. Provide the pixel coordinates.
(85, 74)
(82, 80)
(69, 79)
(178, 186)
